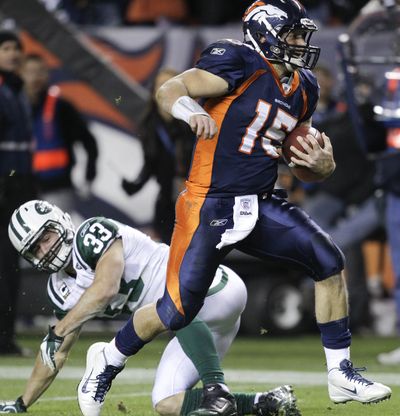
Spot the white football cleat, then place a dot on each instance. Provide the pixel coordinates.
(389, 358)
(346, 384)
(96, 381)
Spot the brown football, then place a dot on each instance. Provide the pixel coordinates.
(302, 173)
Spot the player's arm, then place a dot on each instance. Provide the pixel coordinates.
(316, 158)
(105, 286)
(41, 377)
(177, 95)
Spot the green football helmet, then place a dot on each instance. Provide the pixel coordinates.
(27, 225)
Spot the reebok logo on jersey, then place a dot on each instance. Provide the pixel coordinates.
(218, 223)
(217, 51)
(84, 229)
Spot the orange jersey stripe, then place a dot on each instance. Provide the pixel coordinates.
(203, 158)
(50, 159)
(188, 209)
(252, 7)
(295, 82)
(305, 99)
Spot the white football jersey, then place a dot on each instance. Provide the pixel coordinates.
(143, 278)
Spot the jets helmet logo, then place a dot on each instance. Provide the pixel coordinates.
(43, 207)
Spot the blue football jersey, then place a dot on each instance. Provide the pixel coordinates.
(256, 112)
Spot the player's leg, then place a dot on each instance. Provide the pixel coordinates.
(223, 305)
(192, 263)
(222, 310)
(303, 243)
(176, 374)
(186, 360)
(193, 257)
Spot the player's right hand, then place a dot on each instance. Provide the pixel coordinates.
(16, 406)
(48, 348)
(203, 126)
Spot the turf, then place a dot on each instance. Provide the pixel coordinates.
(299, 354)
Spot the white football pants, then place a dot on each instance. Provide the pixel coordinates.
(221, 312)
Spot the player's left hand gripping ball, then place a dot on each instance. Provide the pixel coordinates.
(48, 348)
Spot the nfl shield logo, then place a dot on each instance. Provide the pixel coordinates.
(245, 204)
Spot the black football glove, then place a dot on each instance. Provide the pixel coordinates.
(13, 407)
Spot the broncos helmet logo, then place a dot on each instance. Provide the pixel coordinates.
(266, 25)
(261, 15)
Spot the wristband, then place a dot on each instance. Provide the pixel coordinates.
(185, 107)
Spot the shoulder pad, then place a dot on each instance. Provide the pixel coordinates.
(309, 77)
(231, 41)
(227, 46)
(92, 239)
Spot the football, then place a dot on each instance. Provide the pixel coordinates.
(301, 172)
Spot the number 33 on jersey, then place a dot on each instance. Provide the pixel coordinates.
(140, 277)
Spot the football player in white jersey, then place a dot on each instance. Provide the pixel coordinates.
(105, 268)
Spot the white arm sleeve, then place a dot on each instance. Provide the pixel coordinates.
(185, 107)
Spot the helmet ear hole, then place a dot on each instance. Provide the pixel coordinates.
(275, 50)
(260, 37)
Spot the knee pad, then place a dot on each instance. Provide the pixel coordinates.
(169, 314)
(328, 258)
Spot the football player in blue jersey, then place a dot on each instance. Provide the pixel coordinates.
(105, 268)
(253, 94)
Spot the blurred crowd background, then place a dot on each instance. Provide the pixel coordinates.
(90, 70)
(186, 12)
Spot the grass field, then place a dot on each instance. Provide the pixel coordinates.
(251, 365)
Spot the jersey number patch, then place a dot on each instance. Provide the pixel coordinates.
(283, 124)
(96, 237)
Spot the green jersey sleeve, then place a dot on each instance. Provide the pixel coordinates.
(92, 239)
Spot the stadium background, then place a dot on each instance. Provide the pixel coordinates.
(106, 72)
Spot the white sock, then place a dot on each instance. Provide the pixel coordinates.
(334, 357)
(257, 398)
(113, 355)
